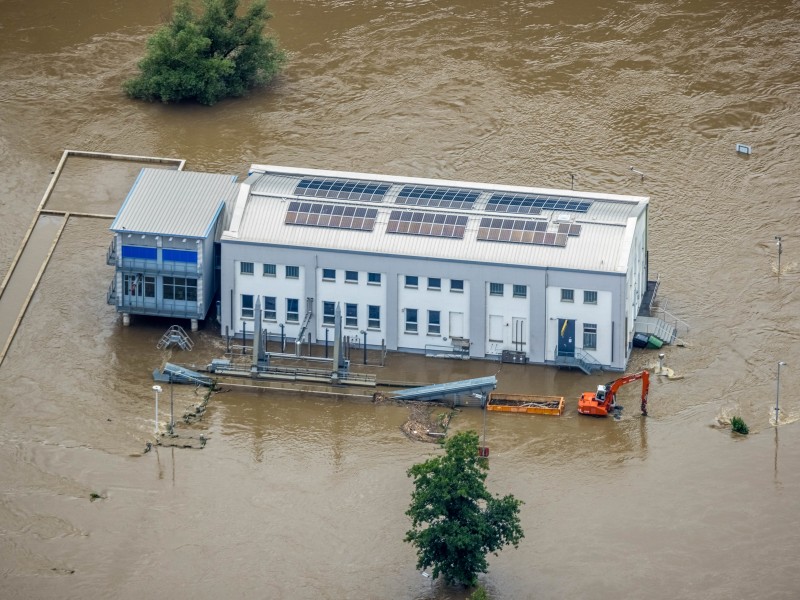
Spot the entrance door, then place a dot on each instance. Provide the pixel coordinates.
(566, 337)
(518, 334)
(456, 325)
(495, 328)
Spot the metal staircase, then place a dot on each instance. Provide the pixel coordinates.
(578, 359)
(304, 327)
(175, 336)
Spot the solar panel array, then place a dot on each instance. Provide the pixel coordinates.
(342, 189)
(532, 204)
(339, 216)
(437, 197)
(427, 223)
(519, 231)
(571, 229)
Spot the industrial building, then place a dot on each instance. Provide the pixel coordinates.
(440, 267)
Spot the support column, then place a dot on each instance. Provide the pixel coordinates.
(194, 324)
(126, 319)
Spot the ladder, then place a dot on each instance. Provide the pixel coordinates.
(176, 336)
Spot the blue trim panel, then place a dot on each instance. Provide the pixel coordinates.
(143, 252)
(184, 256)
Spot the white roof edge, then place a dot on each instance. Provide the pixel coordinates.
(627, 244)
(238, 211)
(425, 181)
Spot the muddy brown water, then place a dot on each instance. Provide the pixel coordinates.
(304, 497)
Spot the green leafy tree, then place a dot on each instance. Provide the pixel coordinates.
(456, 522)
(209, 57)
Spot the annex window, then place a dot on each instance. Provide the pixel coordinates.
(589, 297)
(457, 285)
(590, 336)
(434, 283)
(269, 270)
(181, 288)
(246, 268)
(292, 310)
(292, 272)
(411, 320)
(374, 278)
(149, 286)
(412, 281)
(351, 276)
(520, 291)
(351, 315)
(270, 308)
(496, 289)
(328, 313)
(374, 317)
(247, 306)
(567, 295)
(434, 322)
(329, 274)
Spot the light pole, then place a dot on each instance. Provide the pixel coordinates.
(778, 392)
(157, 390)
(171, 406)
(364, 333)
(780, 251)
(283, 338)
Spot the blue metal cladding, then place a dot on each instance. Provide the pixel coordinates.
(184, 256)
(142, 252)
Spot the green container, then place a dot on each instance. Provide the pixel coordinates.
(654, 342)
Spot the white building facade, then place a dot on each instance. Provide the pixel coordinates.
(426, 265)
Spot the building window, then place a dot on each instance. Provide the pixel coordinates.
(149, 286)
(351, 315)
(590, 336)
(292, 310)
(374, 278)
(411, 320)
(246, 268)
(457, 285)
(247, 306)
(567, 295)
(351, 276)
(180, 288)
(329, 274)
(270, 308)
(374, 317)
(434, 283)
(292, 272)
(328, 313)
(589, 297)
(434, 322)
(269, 270)
(520, 291)
(412, 281)
(496, 289)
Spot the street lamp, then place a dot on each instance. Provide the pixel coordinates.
(778, 392)
(364, 333)
(171, 406)
(157, 390)
(780, 251)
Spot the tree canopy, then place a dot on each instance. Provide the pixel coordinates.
(456, 522)
(206, 58)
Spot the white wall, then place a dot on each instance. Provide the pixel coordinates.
(599, 314)
(501, 312)
(362, 293)
(260, 285)
(423, 299)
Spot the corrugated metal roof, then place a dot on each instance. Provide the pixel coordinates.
(599, 246)
(182, 203)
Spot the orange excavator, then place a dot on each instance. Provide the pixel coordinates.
(603, 401)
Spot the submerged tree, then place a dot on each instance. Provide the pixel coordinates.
(456, 522)
(209, 57)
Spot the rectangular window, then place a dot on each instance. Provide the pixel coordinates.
(292, 310)
(589, 297)
(374, 317)
(374, 278)
(328, 313)
(292, 272)
(496, 289)
(168, 288)
(434, 322)
(351, 276)
(269, 270)
(270, 308)
(247, 306)
(434, 283)
(412, 281)
(520, 291)
(246, 268)
(180, 288)
(329, 274)
(411, 320)
(567, 295)
(590, 336)
(457, 285)
(351, 315)
(149, 286)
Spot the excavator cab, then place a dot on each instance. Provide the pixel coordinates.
(603, 401)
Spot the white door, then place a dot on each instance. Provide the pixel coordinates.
(456, 325)
(495, 328)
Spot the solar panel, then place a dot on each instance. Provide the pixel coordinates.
(519, 231)
(571, 229)
(427, 223)
(339, 216)
(532, 204)
(437, 197)
(342, 189)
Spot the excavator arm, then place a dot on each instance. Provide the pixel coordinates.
(601, 402)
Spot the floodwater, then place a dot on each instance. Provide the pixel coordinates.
(304, 497)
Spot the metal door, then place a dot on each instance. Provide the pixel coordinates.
(566, 337)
